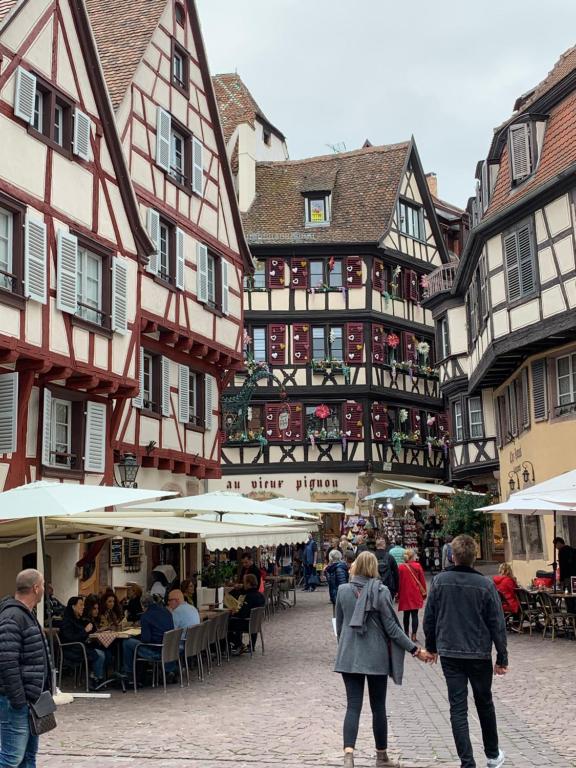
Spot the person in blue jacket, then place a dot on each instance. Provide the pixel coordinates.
(336, 573)
(309, 561)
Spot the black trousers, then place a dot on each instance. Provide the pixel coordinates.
(479, 673)
(236, 628)
(406, 620)
(377, 685)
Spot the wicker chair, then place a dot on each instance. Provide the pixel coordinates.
(529, 610)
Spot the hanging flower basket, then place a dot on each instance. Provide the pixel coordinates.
(322, 412)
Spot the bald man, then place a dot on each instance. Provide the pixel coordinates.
(183, 614)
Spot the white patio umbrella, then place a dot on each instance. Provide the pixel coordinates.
(299, 505)
(527, 506)
(400, 496)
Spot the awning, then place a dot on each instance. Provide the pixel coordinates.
(432, 488)
(298, 505)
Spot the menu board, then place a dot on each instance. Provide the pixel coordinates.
(116, 552)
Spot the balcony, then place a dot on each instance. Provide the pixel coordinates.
(441, 280)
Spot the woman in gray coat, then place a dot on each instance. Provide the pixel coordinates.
(371, 645)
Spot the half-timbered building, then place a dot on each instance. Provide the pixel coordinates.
(340, 374)
(507, 314)
(189, 294)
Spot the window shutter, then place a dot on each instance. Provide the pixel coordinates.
(163, 138)
(8, 412)
(512, 267)
(353, 421)
(138, 401)
(277, 344)
(512, 405)
(197, 166)
(443, 422)
(353, 272)
(411, 285)
(294, 431)
(409, 354)
(378, 344)
(527, 277)
(165, 384)
(225, 288)
(81, 141)
(35, 261)
(179, 259)
(485, 188)
(539, 390)
(354, 342)
(24, 95)
(46, 428)
(380, 423)
(153, 226)
(520, 151)
(272, 428)
(95, 451)
(275, 273)
(202, 272)
(298, 274)
(498, 417)
(414, 417)
(183, 394)
(67, 273)
(301, 343)
(209, 401)
(525, 398)
(119, 295)
(378, 275)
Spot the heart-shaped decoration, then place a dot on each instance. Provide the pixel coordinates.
(351, 355)
(270, 417)
(268, 432)
(272, 273)
(302, 263)
(377, 417)
(349, 433)
(376, 356)
(273, 338)
(358, 423)
(351, 337)
(288, 433)
(376, 338)
(359, 273)
(348, 416)
(296, 338)
(295, 281)
(350, 279)
(274, 355)
(417, 418)
(349, 269)
(305, 328)
(377, 274)
(274, 263)
(358, 347)
(295, 270)
(297, 355)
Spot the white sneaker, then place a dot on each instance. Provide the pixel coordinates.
(496, 762)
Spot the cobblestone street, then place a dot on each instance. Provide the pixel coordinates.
(286, 709)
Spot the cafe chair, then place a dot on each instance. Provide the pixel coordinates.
(255, 628)
(554, 618)
(212, 642)
(78, 667)
(222, 622)
(269, 606)
(169, 652)
(194, 645)
(529, 610)
(285, 586)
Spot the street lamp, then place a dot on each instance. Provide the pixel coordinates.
(127, 470)
(526, 474)
(512, 482)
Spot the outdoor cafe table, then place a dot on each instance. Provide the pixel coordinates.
(292, 585)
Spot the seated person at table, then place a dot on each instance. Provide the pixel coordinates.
(111, 615)
(247, 566)
(249, 597)
(134, 607)
(183, 615)
(55, 605)
(75, 630)
(91, 613)
(506, 586)
(154, 622)
(189, 591)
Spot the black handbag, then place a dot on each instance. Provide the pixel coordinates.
(42, 717)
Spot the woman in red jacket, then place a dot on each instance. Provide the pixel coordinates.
(507, 585)
(411, 591)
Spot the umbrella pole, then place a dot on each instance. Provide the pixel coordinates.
(44, 606)
(554, 563)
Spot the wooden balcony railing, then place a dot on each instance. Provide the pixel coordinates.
(442, 279)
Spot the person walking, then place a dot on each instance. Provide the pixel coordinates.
(25, 670)
(371, 647)
(397, 551)
(387, 567)
(336, 573)
(447, 557)
(462, 620)
(309, 562)
(411, 591)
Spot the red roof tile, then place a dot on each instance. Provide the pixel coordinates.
(236, 104)
(564, 66)
(364, 186)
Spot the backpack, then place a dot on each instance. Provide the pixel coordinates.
(449, 555)
(384, 572)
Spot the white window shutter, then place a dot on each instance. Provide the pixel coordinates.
(67, 273)
(179, 259)
(138, 401)
(119, 295)
(197, 166)
(225, 289)
(165, 373)
(526, 262)
(24, 95)
(35, 261)
(47, 428)
(163, 136)
(209, 401)
(95, 449)
(512, 267)
(183, 394)
(520, 158)
(202, 272)
(81, 141)
(8, 412)
(153, 226)
(539, 389)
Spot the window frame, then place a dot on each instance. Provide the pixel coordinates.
(263, 329)
(326, 329)
(15, 297)
(182, 86)
(571, 375)
(443, 342)
(472, 423)
(181, 178)
(52, 97)
(152, 406)
(458, 418)
(105, 255)
(196, 418)
(78, 402)
(326, 199)
(261, 273)
(336, 412)
(327, 273)
(414, 208)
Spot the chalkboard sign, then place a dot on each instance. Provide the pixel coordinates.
(116, 552)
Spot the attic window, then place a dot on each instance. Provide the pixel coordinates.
(180, 14)
(521, 151)
(317, 208)
(267, 136)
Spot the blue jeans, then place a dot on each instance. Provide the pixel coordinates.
(18, 747)
(153, 654)
(97, 658)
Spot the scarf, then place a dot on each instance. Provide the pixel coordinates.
(367, 601)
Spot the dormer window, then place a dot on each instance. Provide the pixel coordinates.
(521, 151)
(410, 220)
(317, 208)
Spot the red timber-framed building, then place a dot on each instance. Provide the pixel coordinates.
(120, 270)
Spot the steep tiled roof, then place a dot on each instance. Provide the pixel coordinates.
(122, 31)
(364, 186)
(5, 7)
(558, 153)
(564, 66)
(236, 104)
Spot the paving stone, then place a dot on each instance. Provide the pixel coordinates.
(286, 709)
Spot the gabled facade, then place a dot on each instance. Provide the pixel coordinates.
(509, 314)
(340, 352)
(190, 291)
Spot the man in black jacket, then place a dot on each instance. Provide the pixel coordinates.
(463, 619)
(249, 597)
(25, 669)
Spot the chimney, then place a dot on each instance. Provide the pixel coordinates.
(432, 180)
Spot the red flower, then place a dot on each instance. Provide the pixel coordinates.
(322, 412)
(392, 340)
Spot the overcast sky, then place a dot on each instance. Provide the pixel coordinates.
(328, 72)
